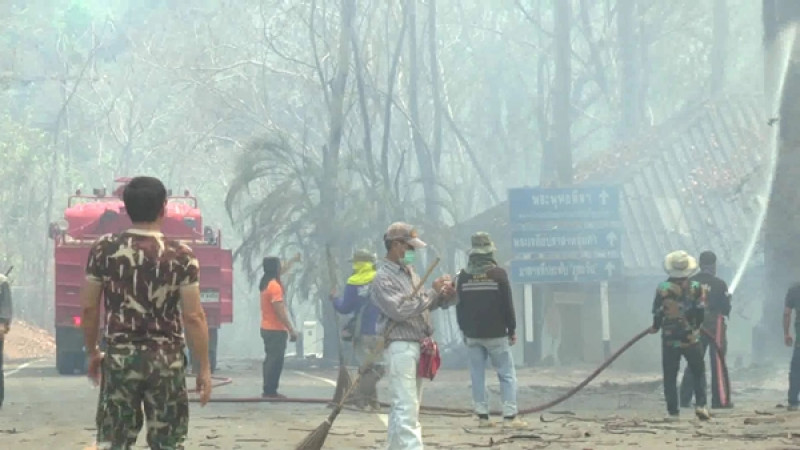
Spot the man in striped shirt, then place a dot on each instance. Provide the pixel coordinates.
(404, 321)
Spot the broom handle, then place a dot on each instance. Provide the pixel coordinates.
(425, 278)
(382, 343)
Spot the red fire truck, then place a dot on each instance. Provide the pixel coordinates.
(88, 217)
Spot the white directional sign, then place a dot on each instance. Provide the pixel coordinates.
(565, 270)
(565, 239)
(579, 203)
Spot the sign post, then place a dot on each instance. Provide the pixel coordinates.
(604, 319)
(565, 235)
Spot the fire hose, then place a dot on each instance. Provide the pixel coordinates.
(538, 408)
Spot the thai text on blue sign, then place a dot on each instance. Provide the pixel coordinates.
(564, 270)
(565, 239)
(578, 203)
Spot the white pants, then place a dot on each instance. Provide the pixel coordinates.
(405, 389)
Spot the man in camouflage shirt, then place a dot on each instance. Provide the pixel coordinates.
(150, 287)
(678, 311)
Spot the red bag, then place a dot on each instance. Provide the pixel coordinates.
(429, 359)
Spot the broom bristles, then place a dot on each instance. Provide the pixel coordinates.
(343, 383)
(316, 439)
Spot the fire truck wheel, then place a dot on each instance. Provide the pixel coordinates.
(62, 364)
(67, 363)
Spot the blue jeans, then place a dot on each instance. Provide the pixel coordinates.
(405, 389)
(794, 377)
(499, 352)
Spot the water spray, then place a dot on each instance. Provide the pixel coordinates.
(785, 40)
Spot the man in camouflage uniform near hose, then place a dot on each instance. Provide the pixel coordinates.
(150, 288)
(678, 311)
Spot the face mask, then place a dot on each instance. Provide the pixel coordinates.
(408, 257)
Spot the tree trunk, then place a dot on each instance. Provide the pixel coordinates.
(719, 49)
(426, 168)
(386, 176)
(629, 80)
(364, 109)
(330, 163)
(781, 246)
(562, 87)
(435, 89)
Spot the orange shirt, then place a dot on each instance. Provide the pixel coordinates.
(269, 296)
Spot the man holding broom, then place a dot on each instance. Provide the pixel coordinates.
(361, 328)
(404, 322)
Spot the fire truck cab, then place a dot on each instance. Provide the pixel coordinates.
(86, 218)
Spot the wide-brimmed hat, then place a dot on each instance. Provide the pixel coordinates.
(680, 264)
(401, 231)
(362, 255)
(482, 244)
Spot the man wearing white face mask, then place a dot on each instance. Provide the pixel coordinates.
(407, 319)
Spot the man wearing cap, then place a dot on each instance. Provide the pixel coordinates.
(485, 314)
(404, 321)
(718, 306)
(5, 324)
(678, 311)
(362, 328)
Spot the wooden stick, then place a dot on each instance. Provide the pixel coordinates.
(425, 278)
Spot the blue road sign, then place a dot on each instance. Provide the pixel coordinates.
(565, 239)
(565, 270)
(579, 203)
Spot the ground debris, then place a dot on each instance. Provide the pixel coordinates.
(627, 427)
(763, 420)
(575, 418)
(747, 436)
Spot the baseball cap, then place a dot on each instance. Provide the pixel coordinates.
(401, 231)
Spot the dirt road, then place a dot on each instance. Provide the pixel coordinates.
(619, 410)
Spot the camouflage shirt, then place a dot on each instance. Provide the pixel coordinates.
(142, 274)
(678, 310)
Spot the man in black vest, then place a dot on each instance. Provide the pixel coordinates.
(485, 315)
(718, 306)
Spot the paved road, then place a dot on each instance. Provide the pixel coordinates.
(47, 411)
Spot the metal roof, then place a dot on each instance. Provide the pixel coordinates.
(691, 184)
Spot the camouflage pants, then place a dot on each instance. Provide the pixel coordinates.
(139, 384)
